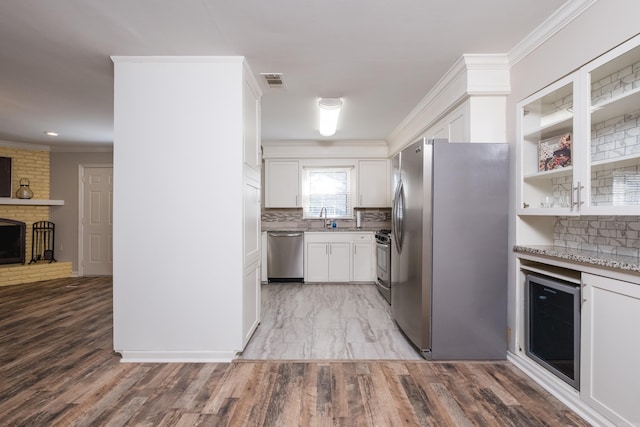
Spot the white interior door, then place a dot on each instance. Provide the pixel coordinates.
(97, 221)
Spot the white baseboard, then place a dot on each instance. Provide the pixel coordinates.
(176, 356)
(559, 389)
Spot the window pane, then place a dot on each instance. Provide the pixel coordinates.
(328, 188)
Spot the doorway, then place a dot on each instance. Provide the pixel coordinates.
(96, 220)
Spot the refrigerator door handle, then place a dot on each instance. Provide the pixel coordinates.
(397, 216)
(394, 205)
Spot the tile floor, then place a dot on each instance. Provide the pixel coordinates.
(326, 321)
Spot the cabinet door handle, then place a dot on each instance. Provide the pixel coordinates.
(579, 202)
(571, 203)
(580, 188)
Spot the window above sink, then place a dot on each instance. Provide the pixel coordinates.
(327, 189)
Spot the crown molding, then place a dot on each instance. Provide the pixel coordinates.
(24, 146)
(177, 59)
(250, 76)
(556, 22)
(471, 75)
(277, 149)
(85, 148)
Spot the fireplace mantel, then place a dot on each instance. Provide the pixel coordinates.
(30, 202)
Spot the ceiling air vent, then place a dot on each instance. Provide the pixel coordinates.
(274, 80)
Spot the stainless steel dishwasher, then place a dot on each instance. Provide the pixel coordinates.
(285, 256)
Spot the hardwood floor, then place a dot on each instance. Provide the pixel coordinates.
(57, 368)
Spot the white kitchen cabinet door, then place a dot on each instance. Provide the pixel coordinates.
(455, 126)
(374, 182)
(282, 184)
(327, 262)
(609, 179)
(317, 262)
(339, 262)
(250, 302)
(264, 275)
(610, 372)
(251, 134)
(362, 262)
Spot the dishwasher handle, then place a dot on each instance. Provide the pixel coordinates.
(283, 234)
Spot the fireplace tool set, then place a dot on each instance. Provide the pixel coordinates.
(42, 242)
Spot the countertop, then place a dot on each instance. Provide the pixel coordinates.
(320, 230)
(619, 262)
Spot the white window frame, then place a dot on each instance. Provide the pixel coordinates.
(350, 167)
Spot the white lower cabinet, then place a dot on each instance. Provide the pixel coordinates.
(610, 348)
(338, 257)
(327, 262)
(316, 262)
(363, 258)
(339, 265)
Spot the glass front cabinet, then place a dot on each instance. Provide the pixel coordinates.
(579, 150)
(548, 169)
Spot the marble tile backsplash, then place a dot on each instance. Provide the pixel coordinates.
(616, 84)
(617, 235)
(372, 219)
(616, 137)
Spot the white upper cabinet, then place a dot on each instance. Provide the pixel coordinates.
(373, 184)
(546, 153)
(284, 162)
(251, 131)
(612, 174)
(579, 151)
(282, 184)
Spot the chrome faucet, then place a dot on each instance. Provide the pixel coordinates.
(326, 219)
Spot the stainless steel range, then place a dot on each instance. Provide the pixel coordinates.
(383, 263)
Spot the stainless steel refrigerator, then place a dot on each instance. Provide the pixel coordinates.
(449, 262)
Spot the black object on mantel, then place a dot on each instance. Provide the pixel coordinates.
(42, 242)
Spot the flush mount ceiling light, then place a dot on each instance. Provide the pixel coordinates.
(329, 112)
(51, 133)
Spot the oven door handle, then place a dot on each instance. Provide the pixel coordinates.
(386, 246)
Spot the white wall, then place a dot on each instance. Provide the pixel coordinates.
(604, 25)
(178, 208)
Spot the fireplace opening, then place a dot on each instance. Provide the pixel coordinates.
(12, 241)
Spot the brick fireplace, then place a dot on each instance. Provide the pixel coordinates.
(32, 164)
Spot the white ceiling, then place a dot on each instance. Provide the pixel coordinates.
(380, 56)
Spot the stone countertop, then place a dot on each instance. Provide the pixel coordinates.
(320, 230)
(619, 262)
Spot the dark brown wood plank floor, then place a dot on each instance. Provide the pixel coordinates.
(57, 368)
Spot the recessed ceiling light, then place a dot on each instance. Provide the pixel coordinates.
(51, 133)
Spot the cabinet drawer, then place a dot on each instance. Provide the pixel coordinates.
(362, 237)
